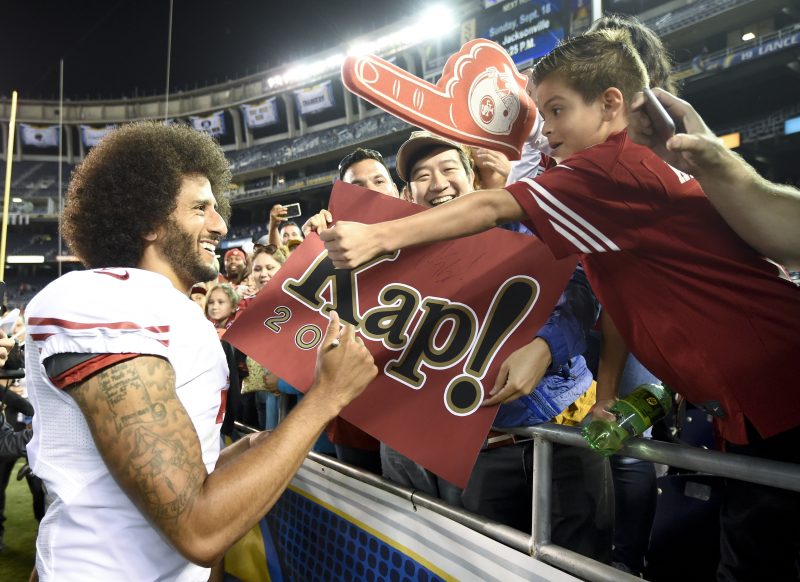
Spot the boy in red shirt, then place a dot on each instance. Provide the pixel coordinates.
(699, 307)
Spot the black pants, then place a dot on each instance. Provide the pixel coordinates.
(5, 473)
(636, 495)
(760, 538)
(582, 515)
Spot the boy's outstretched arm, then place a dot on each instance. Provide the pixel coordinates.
(350, 244)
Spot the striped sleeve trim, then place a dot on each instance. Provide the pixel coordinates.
(569, 224)
(41, 328)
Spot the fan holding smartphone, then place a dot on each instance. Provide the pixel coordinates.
(282, 229)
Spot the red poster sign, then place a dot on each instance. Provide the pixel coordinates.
(439, 320)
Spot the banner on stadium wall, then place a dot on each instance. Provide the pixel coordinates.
(314, 99)
(213, 124)
(438, 319)
(92, 134)
(39, 136)
(327, 526)
(261, 113)
(784, 39)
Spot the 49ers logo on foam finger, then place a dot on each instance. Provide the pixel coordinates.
(480, 99)
(493, 97)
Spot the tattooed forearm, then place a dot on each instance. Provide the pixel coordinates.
(166, 476)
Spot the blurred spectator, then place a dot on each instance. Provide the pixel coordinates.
(235, 262)
(221, 305)
(281, 230)
(367, 168)
(15, 415)
(290, 233)
(198, 294)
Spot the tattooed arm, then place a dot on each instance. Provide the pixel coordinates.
(148, 442)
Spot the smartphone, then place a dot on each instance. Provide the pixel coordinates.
(663, 124)
(292, 210)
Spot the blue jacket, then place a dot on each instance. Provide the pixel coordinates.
(567, 377)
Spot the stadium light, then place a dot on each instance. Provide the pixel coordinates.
(361, 48)
(435, 21)
(25, 259)
(311, 70)
(748, 36)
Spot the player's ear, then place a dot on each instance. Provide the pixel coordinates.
(613, 103)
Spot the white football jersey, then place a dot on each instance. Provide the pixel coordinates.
(92, 531)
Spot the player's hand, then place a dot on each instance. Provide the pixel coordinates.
(317, 223)
(601, 408)
(350, 244)
(493, 168)
(695, 149)
(344, 365)
(278, 214)
(6, 345)
(520, 373)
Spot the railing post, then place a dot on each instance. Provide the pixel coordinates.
(542, 491)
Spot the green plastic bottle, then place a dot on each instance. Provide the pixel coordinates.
(635, 414)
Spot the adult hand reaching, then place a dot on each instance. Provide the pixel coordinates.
(601, 408)
(350, 244)
(317, 223)
(765, 214)
(492, 167)
(695, 150)
(278, 214)
(520, 373)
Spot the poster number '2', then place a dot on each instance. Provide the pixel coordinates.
(282, 315)
(306, 338)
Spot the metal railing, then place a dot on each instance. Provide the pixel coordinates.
(538, 544)
(744, 468)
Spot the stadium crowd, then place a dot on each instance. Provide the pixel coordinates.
(132, 384)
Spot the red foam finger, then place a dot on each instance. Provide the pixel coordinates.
(480, 99)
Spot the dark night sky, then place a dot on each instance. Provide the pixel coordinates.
(119, 47)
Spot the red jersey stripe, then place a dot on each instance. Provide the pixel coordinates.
(82, 371)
